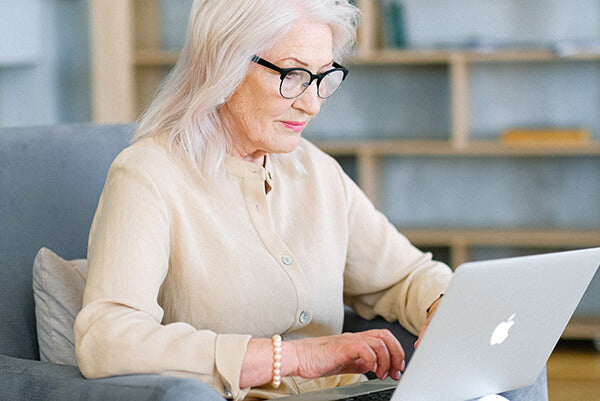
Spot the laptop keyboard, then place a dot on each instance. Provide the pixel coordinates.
(384, 395)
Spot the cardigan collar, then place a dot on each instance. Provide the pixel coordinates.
(242, 168)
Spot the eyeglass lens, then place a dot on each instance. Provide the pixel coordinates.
(295, 83)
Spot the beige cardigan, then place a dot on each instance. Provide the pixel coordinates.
(183, 274)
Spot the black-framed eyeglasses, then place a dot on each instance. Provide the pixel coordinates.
(294, 81)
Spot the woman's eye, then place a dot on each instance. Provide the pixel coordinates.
(294, 75)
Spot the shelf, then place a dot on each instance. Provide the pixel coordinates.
(449, 56)
(399, 57)
(165, 58)
(458, 61)
(462, 241)
(581, 327)
(518, 238)
(370, 152)
(449, 149)
(155, 57)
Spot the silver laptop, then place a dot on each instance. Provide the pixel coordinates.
(494, 330)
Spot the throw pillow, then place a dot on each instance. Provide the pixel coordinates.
(58, 287)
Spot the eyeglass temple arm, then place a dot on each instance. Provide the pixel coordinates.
(265, 63)
(272, 66)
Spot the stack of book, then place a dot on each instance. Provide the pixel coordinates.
(546, 136)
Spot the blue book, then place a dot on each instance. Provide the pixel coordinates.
(392, 12)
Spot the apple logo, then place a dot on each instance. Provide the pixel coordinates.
(501, 331)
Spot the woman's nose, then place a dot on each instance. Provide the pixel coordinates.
(309, 101)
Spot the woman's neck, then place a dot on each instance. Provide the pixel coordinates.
(257, 157)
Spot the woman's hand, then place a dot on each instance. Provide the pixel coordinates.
(374, 350)
(430, 313)
(377, 351)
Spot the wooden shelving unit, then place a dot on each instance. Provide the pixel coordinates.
(459, 64)
(127, 61)
(129, 64)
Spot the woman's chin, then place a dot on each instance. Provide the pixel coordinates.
(289, 144)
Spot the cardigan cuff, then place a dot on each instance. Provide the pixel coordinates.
(230, 350)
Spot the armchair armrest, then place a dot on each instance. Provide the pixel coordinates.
(22, 379)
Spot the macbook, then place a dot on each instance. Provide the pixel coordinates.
(493, 331)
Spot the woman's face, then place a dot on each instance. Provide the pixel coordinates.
(262, 121)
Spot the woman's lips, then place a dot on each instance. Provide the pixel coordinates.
(294, 125)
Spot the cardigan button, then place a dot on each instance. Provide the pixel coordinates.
(304, 317)
(286, 260)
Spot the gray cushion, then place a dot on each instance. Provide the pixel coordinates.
(58, 287)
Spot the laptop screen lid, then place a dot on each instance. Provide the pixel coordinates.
(497, 325)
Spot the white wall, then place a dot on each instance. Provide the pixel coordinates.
(44, 62)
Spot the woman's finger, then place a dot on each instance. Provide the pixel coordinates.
(365, 356)
(379, 346)
(390, 354)
(396, 351)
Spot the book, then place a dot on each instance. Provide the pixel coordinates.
(392, 14)
(575, 48)
(546, 136)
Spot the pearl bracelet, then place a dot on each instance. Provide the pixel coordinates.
(276, 361)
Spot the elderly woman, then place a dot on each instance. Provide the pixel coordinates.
(220, 230)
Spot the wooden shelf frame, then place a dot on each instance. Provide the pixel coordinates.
(154, 56)
(113, 95)
(459, 63)
(583, 327)
(462, 241)
(369, 154)
(125, 78)
(416, 56)
(383, 148)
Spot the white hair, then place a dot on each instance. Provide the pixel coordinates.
(222, 36)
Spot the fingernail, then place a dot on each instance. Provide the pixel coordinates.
(396, 375)
(403, 366)
(375, 368)
(385, 376)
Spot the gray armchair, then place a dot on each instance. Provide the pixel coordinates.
(50, 182)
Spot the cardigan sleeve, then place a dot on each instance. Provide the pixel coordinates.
(119, 329)
(385, 274)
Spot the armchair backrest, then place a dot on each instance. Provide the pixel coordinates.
(50, 182)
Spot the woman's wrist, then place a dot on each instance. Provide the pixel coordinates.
(289, 359)
(257, 368)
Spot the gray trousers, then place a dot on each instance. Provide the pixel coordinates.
(538, 391)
